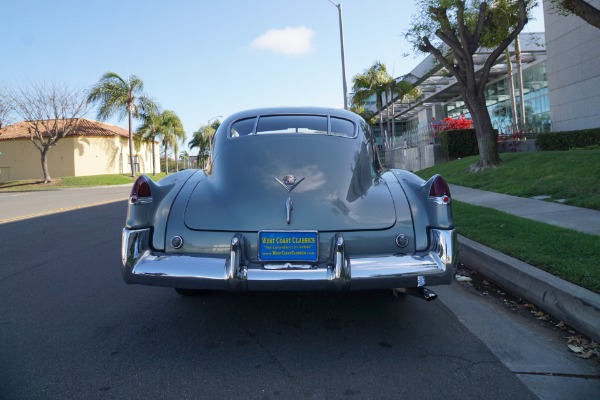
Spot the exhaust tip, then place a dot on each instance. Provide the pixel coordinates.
(420, 292)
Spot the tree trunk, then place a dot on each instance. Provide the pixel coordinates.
(393, 139)
(381, 133)
(176, 157)
(393, 122)
(511, 88)
(131, 141)
(153, 159)
(520, 78)
(166, 159)
(44, 158)
(387, 109)
(486, 139)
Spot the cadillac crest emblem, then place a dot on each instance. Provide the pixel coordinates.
(289, 182)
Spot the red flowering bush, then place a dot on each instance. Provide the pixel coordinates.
(457, 123)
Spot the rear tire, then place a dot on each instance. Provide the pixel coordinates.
(189, 292)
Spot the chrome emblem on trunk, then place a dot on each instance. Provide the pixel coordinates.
(289, 182)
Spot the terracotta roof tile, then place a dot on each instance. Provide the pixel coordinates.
(86, 127)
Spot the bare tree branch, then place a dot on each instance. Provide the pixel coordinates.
(581, 8)
(51, 112)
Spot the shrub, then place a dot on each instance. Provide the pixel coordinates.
(568, 140)
(459, 143)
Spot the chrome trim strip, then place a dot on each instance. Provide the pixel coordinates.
(440, 200)
(141, 200)
(289, 206)
(143, 266)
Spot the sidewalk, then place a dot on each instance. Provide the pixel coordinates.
(576, 306)
(579, 219)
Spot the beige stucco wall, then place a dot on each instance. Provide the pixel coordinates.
(20, 159)
(72, 156)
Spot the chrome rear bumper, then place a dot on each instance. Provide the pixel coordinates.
(141, 265)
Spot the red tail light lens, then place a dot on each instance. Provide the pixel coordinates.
(439, 189)
(140, 189)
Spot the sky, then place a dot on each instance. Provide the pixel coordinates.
(204, 59)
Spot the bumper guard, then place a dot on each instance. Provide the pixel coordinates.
(142, 265)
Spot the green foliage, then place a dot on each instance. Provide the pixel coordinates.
(427, 21)
(171, 130)
(460, 143)
(373, 81)
(172, 164)
(202, 139)
(117, 96)
(500, 18)
(568, 140)
(367, 115)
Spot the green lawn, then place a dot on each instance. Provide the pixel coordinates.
(565, 253)
(71, 182)
(570, 175)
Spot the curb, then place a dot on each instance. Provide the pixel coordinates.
(576, 306)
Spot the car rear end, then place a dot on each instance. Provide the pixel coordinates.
(327, 220)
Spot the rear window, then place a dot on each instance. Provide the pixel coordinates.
(243, 127)
(342, 127)
(293, 124)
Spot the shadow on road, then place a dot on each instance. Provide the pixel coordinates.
(71, 328)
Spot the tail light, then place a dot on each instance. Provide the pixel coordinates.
(440, 190)
(141, 192)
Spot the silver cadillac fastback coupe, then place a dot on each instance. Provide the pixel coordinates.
(292, 199)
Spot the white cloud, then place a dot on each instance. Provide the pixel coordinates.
(287, 41)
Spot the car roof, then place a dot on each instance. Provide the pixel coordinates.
(295, 110)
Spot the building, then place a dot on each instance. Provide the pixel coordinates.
(93, 148)
(573, 65)
(561, 91)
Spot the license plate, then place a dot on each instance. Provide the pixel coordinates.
(288, 246)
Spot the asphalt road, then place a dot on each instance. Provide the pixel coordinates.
(15, 206)
(71, 329)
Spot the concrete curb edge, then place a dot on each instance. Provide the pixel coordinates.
(576, 306)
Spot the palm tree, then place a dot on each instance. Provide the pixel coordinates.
(506, 12)
(149, 128)
(184, 156)
(171, 130)
(202, 140)
(401, 90)
(373, 81)
(367, 115)
(119, 97)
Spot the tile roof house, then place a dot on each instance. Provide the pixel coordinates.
(93, 148)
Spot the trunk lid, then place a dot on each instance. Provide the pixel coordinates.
(333, 187)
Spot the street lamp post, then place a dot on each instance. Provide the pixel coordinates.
(339, 7)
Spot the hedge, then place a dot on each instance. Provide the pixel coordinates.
(567, 140)
(459, 143)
